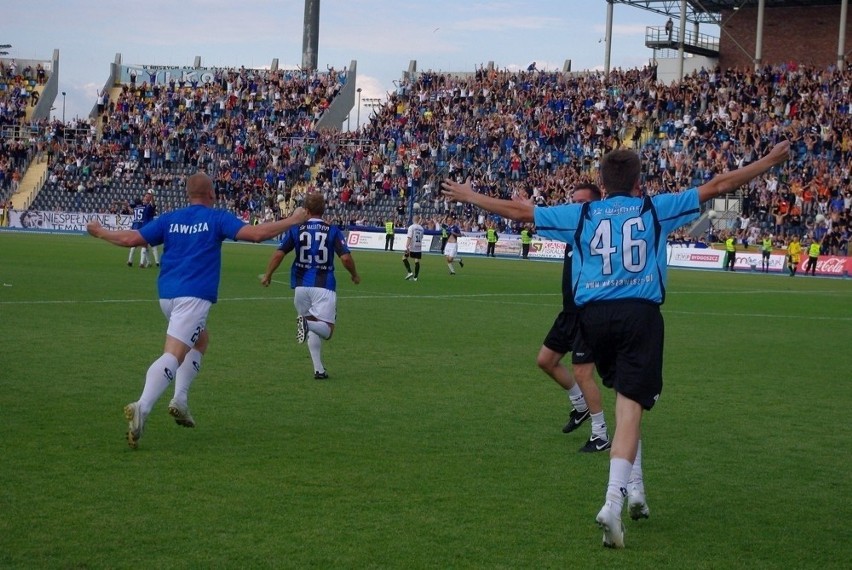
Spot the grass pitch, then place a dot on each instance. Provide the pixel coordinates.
(435, 444)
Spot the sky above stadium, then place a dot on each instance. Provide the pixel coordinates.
(383, 36)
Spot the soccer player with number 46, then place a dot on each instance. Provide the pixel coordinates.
(312, 276)
(619, 272)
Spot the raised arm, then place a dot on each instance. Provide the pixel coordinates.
(521, 211)
(268, 230)
(724, 183)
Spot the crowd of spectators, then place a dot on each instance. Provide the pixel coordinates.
(252, 130)
(513, 132)
(19, 89)
(542, 133)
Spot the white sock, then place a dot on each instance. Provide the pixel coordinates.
(160, 375)
(156, 253)
(130, 256)
(599, 425)
(452, 269)
(143, 258)
(185, 375)
(320, 328)
(577, 399)
(315, 348)
(636, 472)
(619, 471)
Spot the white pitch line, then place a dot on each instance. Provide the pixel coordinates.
(476, 297)
(758, 292)
(759, 316)
(368, 297)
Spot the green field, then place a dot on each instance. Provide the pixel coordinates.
(435, 444)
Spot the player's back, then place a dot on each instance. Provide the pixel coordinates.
(315, 244)
(624, 247)
(192, 260)
(415, 232)
(138, 216)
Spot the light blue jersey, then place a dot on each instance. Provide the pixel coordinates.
(192, 254)
(619, 243)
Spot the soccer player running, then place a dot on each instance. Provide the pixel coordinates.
(413, 248)
(619, 272)
(188, 286)
(312, 276)
(564, 337)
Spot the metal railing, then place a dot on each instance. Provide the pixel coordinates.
(658, 37)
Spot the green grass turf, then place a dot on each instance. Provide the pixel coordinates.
(435, 444)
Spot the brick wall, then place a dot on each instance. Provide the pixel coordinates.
(797, 33)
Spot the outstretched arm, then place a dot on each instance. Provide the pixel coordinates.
(269, 230)
(124, 238)
(724, 183)
(521, 211)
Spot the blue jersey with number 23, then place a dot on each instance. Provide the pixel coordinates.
(315, 244)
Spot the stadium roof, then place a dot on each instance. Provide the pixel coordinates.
(708, 11)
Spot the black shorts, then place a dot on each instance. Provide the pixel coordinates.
(627, 340)
(413, 254)
(565, 337)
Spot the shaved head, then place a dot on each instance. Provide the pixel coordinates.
(199, 188)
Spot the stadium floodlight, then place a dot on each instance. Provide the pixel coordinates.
(372, 103)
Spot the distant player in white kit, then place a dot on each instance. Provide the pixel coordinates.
(413, 248)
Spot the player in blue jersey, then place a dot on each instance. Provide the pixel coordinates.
(312, 276)
(188, 285)
(619, 267)
(144, 212)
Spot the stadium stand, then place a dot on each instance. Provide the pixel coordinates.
(511, 131)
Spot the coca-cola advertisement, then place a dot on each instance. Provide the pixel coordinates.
(829, 265)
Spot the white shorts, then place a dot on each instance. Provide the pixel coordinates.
(187, 317)
(316, 302)
(451, 249)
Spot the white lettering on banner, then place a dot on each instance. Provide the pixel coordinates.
(695, 257)
(66, 221)
(164, 74)
(830, 265)
(368, 240)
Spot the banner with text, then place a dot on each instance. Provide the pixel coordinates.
(66, 221)
(829, 265)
